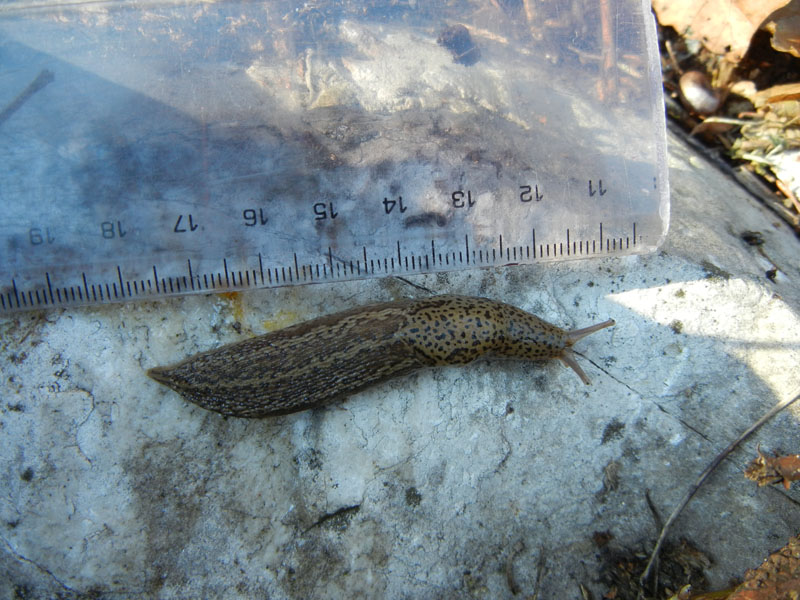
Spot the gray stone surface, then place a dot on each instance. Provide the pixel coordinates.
(436, 485)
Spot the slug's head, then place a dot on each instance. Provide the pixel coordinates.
(531, 338)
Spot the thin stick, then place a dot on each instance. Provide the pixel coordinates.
(719, 458)
(42, 79)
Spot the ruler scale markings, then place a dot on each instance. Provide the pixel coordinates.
(113, 286)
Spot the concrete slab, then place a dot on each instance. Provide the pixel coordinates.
(456, 482)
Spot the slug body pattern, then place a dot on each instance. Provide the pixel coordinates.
(319, 361)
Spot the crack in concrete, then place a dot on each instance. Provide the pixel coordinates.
(641, 396)
(45, 570)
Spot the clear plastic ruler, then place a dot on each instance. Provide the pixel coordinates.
(153, 149)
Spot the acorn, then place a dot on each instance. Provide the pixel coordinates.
(697, 93)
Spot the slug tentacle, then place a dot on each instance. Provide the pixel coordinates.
(568, 358)
(578, 334)
(319, 361)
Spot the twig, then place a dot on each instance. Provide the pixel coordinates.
(539, 574)
(42, 79)
(412, 284)
(704, 475)
(512, 582)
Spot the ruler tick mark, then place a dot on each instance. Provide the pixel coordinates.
(49, 288)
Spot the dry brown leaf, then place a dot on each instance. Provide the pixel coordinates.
(784, 25)
(723, 26)
(785, 92)
(777, 578)
(766, 470)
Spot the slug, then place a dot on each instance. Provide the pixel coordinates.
(314, 363)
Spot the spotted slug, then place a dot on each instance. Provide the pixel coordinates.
(316, 362)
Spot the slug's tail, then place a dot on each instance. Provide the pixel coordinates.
(568, 358)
